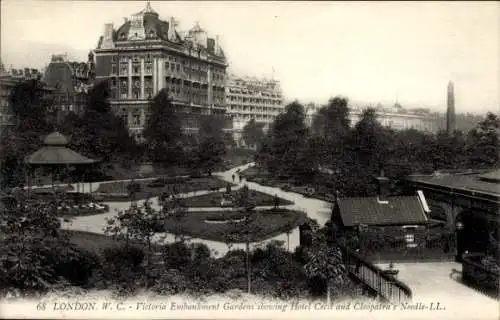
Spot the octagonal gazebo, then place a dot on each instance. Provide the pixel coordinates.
(55, 155)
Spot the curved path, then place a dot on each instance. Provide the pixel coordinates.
(315, 209)
(430, 282)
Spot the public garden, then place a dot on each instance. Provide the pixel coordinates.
(200, 221)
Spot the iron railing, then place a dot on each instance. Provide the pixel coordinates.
(385, 285)
(481, 272)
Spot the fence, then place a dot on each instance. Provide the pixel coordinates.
(385, 285)
(424, 246)
(482, 273)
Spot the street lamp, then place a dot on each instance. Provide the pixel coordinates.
(459, 226)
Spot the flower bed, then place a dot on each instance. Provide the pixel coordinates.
(82, 209)
(119, 190)
(214, 199)
(263, 225)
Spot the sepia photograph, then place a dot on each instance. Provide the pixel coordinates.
(249, 159)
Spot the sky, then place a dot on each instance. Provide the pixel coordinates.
(369, 52)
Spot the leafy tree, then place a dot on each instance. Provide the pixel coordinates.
(483, 143)
(369, 141)
(325, 262)
(29, 100)
(97, 98)
(212, 146)
(35, 256)
(98, 132)
(253, 133)
(139, 223)
(287, 143)
(30, 104)
(449, 151)
(163, 130)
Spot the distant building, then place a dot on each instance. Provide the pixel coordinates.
(450, 111)
(252, 98)
(311, 109)
(71, 80)
(8, 79)
(397, 117)
(146, 54)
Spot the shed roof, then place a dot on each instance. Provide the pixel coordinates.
(398, 210)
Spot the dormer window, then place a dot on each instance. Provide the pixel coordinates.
(122, 35)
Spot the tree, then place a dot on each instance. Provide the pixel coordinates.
(163, 130)
(29, 100)
(138, 223)
(212, 146)
(98, 132)
(253, 133)
(35, 255)
(249, 228)
(97, 98)
(330, 127)
(287, 143)
(448, 151)
(484, 143)
(30, 105)
(325, 262)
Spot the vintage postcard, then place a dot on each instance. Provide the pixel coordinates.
(249, 160)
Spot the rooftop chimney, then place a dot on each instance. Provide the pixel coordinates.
(383, 188)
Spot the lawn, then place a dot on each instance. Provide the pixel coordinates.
(238, 156)
(94, 242)
(265, 224)
(213, 200)
(118, 190)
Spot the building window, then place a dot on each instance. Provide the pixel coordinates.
(136, 69)
(136, 120)
(113, 69)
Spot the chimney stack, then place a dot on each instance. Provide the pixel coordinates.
(383, 187)
(107, 42)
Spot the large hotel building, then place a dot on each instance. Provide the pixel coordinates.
(146, 54)
(251, 98)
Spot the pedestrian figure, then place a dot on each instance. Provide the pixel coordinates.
(233, 177)
(239, 178)
(276, 201)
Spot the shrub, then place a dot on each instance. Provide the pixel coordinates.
(133, 187)
(176, 255)
(122, 264)
(76, 265)
(128, 255)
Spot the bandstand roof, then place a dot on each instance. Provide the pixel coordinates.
(55, 152)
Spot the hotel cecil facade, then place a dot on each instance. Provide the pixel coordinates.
(146, 54)
(252, 98)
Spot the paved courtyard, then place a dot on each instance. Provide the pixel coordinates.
(440, 282)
